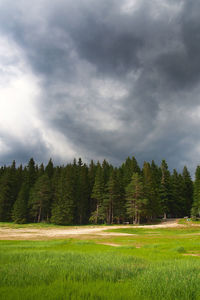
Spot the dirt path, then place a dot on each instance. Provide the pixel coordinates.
(52, 233)
(165, 224)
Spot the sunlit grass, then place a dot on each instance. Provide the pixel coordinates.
(46, 225)
(189, 222)
(148, 264)
(29, 225)
(156, 231)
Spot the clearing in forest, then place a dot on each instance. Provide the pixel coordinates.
(124, 262)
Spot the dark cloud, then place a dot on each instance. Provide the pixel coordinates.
(181, 65)
(116, 77)
(21, 152)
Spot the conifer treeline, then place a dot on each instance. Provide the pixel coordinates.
(100, 193)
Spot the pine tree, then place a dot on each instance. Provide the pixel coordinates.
(8, 192)
(165, 193)
(19, 178)
(40, 170)
(5, 197)
(40, 198)
(19, 213)
(98, 196)
(82, 192)
(106, 169)
(177, 203)
(187, 191)
(111, 198)
(31, 173)
(49, 170)
(129, 167)
(195, 211)
(63, 205)
(135, 199)
(150, 192)
(91, 175)
(156, 174)
(2, 169)
(120, 205)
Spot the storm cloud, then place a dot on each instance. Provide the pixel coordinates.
(100, 79)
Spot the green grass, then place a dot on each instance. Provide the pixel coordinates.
(189, 222)
(43, 225)
(47, 225)
(156, 231)
(86, 269)
(29, 225)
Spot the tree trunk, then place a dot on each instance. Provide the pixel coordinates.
(80, 219)
(97, 215)
(107, 217)
(138, 218)
(111, 213)
(39, 215)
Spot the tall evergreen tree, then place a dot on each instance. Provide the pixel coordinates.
(106, 169)
(150, 192)
(82, 193)
(135, 199)
(177, 206)
(20, 209)
(111, 198)
(91, 175)
(31, 173)
(156, 174)
(40, 171)
(195, 211)
(8, 192)
(6, 197)
(49, 170)
(129, 167)
(98, 196)
(19, 178)
(120, 205)
(187, 191)
(63, 205)
(40, 198)
(165, 193)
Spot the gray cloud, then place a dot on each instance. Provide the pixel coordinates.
(116, 78)
(22, 152)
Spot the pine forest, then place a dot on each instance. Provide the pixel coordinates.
(96, 193)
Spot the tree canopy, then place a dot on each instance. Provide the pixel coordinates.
(78, 193)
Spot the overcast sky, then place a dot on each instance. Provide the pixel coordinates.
(100, 79)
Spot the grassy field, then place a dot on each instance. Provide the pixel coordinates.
(148, 264)
(40, 225)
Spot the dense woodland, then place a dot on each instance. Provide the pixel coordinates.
(96, 193)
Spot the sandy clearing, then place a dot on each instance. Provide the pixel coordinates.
(110, 244)
(192, 254)
(52, 233)
(171, 223)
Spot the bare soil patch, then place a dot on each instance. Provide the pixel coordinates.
(110, 244)
(171, 223)
(53, 233)
(64, 232)
(192, 254)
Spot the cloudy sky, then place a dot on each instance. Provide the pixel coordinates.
(100, 79)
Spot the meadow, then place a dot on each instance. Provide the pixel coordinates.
(161, 263)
